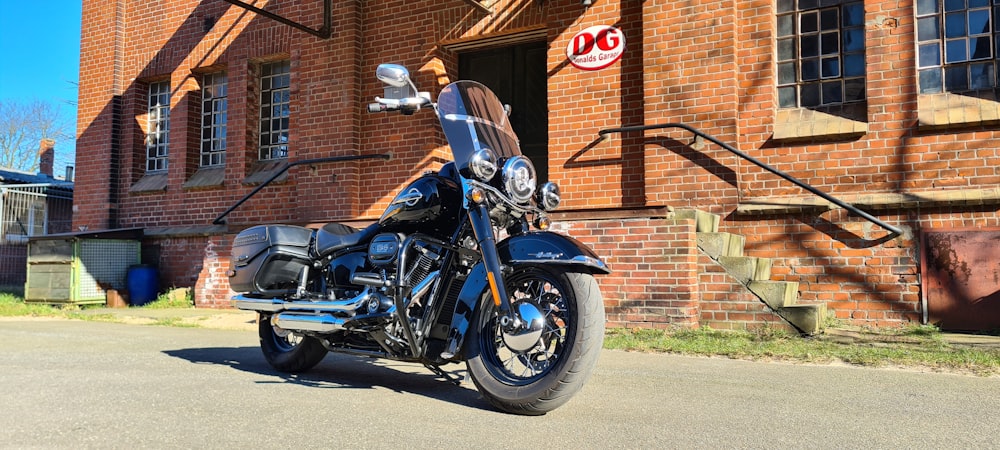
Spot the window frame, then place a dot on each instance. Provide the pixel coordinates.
(939, 68)
(833, 70)
(214, 120)
(273, 131)
(157, 142)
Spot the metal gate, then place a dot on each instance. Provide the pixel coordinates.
(961, 278)
(29, 210)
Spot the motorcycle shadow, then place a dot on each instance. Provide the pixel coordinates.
(338, 371)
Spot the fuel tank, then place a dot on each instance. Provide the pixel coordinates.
(432, 204)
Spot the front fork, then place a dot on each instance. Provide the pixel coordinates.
(479, 216)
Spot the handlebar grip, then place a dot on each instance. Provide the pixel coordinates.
(376, 107)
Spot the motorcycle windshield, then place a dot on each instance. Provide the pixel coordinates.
(472, 119)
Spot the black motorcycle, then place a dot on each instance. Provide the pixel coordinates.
(432, 281)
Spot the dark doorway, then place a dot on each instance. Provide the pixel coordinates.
(517, 75)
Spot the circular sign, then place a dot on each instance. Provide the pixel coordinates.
(596, 47)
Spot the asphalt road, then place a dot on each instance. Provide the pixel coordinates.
(74, 384)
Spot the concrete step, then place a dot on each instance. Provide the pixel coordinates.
(707, 222)
(753, 273)
(718, 244)
(704, 222)
(809, 319)
(747, 268)
(775, 294)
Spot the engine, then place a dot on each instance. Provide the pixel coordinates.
(404, 262)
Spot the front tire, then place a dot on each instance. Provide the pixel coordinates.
(286, 351)
(545, 375)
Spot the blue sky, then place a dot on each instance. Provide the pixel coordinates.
(40, 44)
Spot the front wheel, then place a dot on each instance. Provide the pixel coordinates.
(536, 370)
(287, 351)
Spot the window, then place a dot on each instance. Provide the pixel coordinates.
(820, 52)
(274, 110)
(955, 45)
(213, 120)
(158, 126)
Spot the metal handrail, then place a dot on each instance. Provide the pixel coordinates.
(219, 221)
(793, 180)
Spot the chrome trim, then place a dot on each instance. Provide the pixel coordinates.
(424, 285)
(483, 164)
(258, 304)
(548, 196)
(576, 260)
(513, 170)
(321, 323)
(503, 197)
(410, 198)
(277, 304)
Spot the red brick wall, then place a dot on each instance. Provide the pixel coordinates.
(196, 261)
(707, 64)
(654, 261)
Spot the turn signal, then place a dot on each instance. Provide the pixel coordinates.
(543, 223)
(476, 195)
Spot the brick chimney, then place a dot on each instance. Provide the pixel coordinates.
(46, 157)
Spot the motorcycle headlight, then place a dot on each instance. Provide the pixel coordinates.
(519, 178)
(483, 164)
(548, 196)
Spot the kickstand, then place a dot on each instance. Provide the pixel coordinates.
(441, 373)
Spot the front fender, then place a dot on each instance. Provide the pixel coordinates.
(529, 248)
(543, 247)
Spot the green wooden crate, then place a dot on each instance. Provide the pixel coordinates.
(78, 271)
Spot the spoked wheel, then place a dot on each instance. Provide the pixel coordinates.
(287, 351)
(538, 368)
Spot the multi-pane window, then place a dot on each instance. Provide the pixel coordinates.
(158, 126)
(955, 45)
(213, 120)
(274, 110)
(820, 52)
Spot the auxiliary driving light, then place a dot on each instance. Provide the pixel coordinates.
(483, 164)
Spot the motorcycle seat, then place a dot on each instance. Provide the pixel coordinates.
(336, 236)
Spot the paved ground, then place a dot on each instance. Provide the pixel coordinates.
(233, 319)
(82, 384)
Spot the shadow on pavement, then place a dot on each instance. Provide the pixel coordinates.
(338, 371)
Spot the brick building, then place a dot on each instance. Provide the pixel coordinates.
(186, 105)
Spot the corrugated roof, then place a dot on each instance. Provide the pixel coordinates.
(10, 176)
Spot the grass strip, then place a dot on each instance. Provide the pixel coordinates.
(918, 347)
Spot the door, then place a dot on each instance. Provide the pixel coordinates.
(517, 74)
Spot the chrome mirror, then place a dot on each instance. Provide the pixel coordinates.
(393, 74)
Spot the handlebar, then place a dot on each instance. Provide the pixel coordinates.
(407, 105)
(379, 107)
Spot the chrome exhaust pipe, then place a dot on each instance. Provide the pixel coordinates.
(276, 304)
(319, 323)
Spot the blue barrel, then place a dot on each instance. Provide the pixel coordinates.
(143, 284)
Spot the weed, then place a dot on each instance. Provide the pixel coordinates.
(172, 299)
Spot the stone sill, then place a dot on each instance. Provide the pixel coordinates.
(151, 182)
(797, 124)
(264, 170)
(206, 177)
(871, 202)
(936, 111)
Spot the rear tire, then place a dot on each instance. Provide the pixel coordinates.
(545, 376)
(286, 351)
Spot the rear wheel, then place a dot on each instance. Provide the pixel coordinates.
(287, 351)
(538, 369)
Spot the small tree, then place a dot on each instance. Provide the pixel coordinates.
(22, 127)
